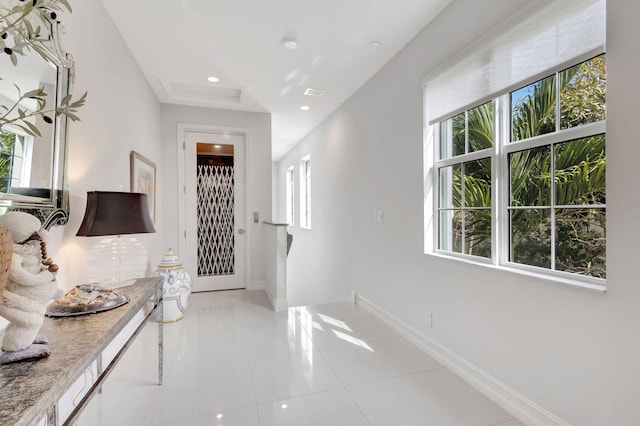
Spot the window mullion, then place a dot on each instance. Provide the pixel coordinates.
(495, 182)
(552, 203)
(558, 126)
(472, 156)
(466, 133)
(502, 180)
(435, 179)
(462, 206)
(579, 132)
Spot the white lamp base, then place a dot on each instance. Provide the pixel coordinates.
(117, 261)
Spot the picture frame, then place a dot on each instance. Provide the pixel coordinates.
(143, 179)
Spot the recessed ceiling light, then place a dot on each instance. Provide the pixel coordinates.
(213, 79)
(305, 108)
(289, 43)
(374, 44)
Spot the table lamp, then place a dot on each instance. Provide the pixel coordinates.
(116, 214)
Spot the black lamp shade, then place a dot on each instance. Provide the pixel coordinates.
(115, 213)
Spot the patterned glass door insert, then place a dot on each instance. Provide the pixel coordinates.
(215, 213)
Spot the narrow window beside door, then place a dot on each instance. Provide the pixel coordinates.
(290, 186)
(305, 192)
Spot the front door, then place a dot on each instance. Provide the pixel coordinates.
(214, 210)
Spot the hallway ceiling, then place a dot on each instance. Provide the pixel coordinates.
(340, 45)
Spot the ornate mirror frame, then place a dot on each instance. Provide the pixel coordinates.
(51, 205)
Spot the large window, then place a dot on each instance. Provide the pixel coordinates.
(305, 192)
(290, 201)
(521, 178)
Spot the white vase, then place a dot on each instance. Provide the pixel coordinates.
(176, 283)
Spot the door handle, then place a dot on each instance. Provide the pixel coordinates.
(240, 231)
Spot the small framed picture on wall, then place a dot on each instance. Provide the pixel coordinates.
(143, 179)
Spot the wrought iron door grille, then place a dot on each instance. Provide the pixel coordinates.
(215, 211)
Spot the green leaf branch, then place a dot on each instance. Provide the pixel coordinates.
(21, 30)
(68, 108)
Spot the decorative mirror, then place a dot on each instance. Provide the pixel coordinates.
(33, 164)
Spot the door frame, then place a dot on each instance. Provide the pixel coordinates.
(183, 128)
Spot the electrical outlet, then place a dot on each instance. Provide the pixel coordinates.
(427, 319)
(256, 217)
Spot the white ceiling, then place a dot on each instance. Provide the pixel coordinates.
(179, 43)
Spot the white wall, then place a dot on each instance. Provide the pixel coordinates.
(121, 114)
(572, 351)
(258, 179)
(275, 193)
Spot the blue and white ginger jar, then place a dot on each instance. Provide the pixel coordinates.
(176, 283)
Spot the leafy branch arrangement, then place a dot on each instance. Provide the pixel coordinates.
(21, 30)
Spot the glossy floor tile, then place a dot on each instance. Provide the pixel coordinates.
(233, 361)
(334, 408)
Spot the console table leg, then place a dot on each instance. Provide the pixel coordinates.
(99, 367)
(52, 416)
(160, 334)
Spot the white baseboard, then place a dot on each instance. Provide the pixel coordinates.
(257, 285)
(518, 405)
(277, 304)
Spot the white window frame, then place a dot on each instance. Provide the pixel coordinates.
(290, 195)
(305, 192)
(500, 196)
(460, 159)
(21, 169)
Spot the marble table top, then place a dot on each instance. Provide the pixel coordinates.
(29, 389)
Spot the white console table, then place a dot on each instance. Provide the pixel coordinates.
(52, 391)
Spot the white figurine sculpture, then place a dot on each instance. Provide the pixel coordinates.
(31, 284)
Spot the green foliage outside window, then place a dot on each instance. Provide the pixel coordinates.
(7, 143)
(576, 215)
(466, 188)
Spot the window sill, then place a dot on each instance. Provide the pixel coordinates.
(600, 288)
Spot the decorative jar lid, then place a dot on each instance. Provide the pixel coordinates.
(170, 261)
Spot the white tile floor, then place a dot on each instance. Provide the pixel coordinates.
(233, 361)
